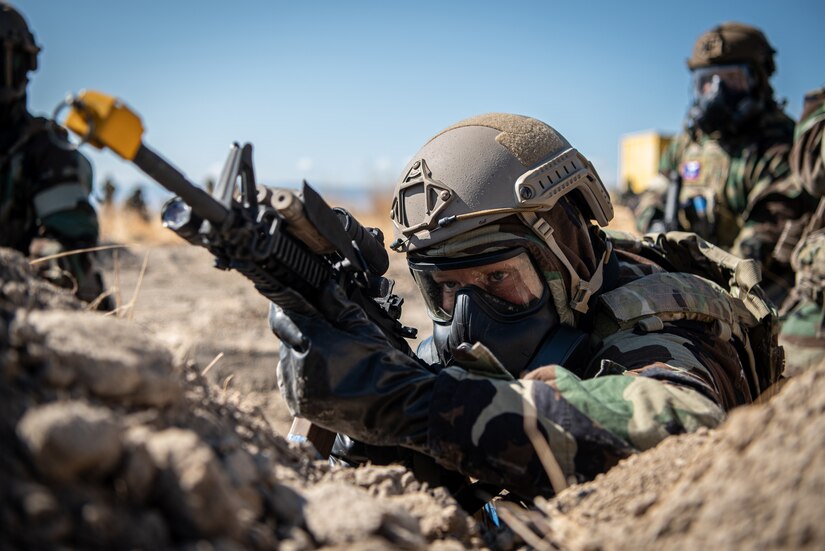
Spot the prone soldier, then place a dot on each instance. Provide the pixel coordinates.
(607, 344)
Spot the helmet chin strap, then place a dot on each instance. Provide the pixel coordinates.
(581, 290)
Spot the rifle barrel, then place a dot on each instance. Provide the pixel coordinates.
(160, 170)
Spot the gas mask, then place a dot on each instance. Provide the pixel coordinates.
(497, 299)
(725, 98)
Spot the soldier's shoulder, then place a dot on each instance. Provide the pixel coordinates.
(45, 134)
(681, 141)
(660, 297)
(674, 152)
(49, 144)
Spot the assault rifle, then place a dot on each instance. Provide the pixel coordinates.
(277, 239)
(670, 222)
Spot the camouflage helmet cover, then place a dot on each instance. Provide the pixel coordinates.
(734, 43)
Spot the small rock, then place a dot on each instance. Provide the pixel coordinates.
(67, 439)
(288, 505)
(435, 519)
(148, 531)
(196, 490)
(297, 540)
(43, 510)
(112, 357)
(337, 513)
(640, 505)
(139, 471)
(241, 468)
(244, 476)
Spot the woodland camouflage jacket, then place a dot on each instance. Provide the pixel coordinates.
(747, 174)
(647, 380)
(747, 178)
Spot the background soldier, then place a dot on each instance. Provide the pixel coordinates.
(803, 328)
(44, 185)
(137, 205)
(536, 312)
(109, 190)
(730, 166)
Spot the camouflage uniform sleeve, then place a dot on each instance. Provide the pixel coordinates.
(61, 181)
(656, 386)
(803, 327)
(773, 198)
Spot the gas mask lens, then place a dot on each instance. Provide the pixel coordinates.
(508, 277)
(737, 80)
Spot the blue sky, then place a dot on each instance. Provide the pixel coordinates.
(343, 93)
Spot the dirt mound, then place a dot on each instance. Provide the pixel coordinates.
(757, 482)
(108, 440)
(111, 437)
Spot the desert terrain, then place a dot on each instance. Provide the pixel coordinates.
(161, 427)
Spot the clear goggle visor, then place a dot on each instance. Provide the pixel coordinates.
(508, 276)
(737, 79)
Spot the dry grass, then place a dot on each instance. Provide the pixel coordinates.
(120, 225)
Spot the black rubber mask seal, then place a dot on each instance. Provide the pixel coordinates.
(513, 337)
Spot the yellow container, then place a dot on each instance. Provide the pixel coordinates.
(639, 155)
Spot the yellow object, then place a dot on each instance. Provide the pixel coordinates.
(113, 125)
(639, 163)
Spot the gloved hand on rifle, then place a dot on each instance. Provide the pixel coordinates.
(339, 371)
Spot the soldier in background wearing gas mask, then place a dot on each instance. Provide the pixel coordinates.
(44, 183)
(730, 165)
(536, 311)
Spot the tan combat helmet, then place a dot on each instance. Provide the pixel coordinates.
(731, 43)
(493, 166)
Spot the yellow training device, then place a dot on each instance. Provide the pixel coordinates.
(104, 121)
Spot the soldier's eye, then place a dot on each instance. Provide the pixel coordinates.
(497, 277)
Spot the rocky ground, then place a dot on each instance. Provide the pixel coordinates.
(110, 439)
(205, 313)
(122, 431)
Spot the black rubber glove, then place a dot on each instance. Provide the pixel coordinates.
(339, 371)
